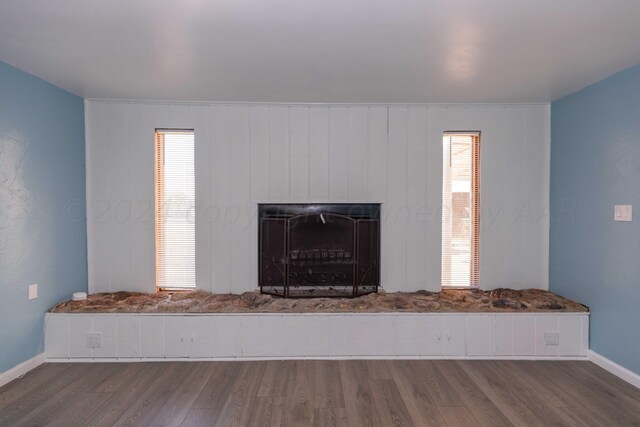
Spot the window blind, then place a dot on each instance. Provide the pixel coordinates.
(175, 209)
(461, 210)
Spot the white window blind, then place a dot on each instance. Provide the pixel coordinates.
(175, 209)
(461, 210)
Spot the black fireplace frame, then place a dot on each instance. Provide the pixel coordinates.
(364, 278)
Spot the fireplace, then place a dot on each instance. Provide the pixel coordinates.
(319, 250)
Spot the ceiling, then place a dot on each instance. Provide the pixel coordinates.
(361, 51)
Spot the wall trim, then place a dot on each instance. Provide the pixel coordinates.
(617, 370)
(20, 370)
(254, 358)
(311, 104)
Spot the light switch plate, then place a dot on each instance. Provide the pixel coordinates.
(623, 213)
(33, 291)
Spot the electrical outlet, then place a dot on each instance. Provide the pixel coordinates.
(94, 339)
(552, 338)
(33, 291)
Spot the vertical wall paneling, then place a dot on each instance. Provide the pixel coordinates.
(491, 202)
(120, 198)
(259, 171)
(318, 153)
(79, 327)
(203, 215)
(152, 336)
(417, 232)
(238, 215)
(338, 154)
(377, 138)
(396, 210)
(535, 213)
(221, 199)
(299, 153)
(279, 154)
(259, 142)
(512, 197)
(545, 211)
(436, 117)
(358, 158)
(88, 154)
(98, 177)
(377, 153)
(502, 335)
(107, 326)
(524, 335)
(246, 154)
(142, 213)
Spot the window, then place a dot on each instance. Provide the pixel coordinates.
(175, 209)
(461, 209)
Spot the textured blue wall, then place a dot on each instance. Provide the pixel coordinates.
(595, 164)
(42, 207)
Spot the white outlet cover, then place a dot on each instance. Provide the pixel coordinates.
(94, 339)
(33, 291)
(552, 338)
(623, 213)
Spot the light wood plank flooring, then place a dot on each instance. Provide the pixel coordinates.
(320, 393)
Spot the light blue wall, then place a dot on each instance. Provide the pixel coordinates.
(595, 164)
(42, 207)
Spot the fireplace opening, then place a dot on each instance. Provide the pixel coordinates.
(319, 250)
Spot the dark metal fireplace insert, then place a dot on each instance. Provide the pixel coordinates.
(319, 250)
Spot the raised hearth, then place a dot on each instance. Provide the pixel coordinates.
(503, 323)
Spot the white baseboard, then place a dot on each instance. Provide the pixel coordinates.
(21, 369)
(617, 370)
(254, 359)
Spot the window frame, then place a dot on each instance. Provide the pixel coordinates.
(474, 273)
(160, 204)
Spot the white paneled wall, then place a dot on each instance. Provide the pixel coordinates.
(246, 154)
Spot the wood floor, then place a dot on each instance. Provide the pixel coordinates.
(320, 393)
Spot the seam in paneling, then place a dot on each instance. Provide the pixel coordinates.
(131, 201)
(230, 198)
(348, 142)
(308, 153)
(368, 143)
(289, 152)
(330, 199)
(212, 269)
(269, 151)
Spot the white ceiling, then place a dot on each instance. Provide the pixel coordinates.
(321, 50)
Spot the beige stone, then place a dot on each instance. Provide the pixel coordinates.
(498, 300)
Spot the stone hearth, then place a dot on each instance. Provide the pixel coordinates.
(447, 301)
